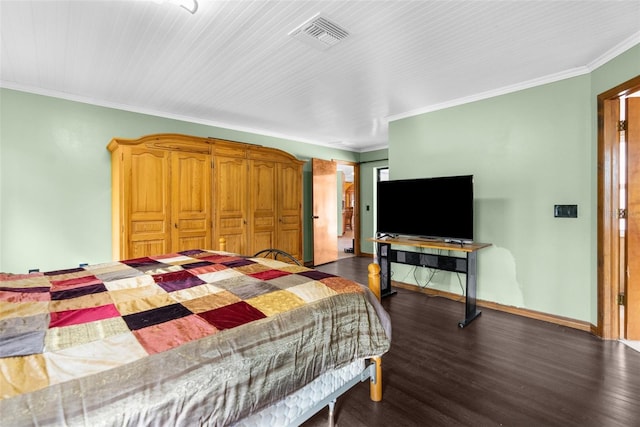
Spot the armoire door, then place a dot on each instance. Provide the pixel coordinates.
(289, 226)
(190, 201)
(263, 208)
(230, 201)
(146, 202)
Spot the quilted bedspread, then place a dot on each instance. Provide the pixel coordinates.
(190, 338)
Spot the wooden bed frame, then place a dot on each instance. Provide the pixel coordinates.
(306, 392)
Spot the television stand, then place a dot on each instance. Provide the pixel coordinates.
(466, 265)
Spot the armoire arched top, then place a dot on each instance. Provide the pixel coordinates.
(205, 145)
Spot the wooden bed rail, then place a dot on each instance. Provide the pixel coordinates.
(375, 385)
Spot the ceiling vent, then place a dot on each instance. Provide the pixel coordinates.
(319, 32)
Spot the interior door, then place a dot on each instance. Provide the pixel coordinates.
(324, 211)
(632, 292)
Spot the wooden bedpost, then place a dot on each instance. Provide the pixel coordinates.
(222, 243)
(374, 279)
(375, 388)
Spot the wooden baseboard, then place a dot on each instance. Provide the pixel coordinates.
(559, 320)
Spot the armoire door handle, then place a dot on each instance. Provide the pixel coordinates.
(315, 217)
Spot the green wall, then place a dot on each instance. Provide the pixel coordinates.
(528, 151)
(55, 188)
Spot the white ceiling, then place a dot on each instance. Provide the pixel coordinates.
(233, 64)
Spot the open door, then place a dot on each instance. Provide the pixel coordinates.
(324, 211)
(632, 282)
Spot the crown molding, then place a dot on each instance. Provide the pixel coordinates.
(615, 51)
(165, 115)
(574, 72)
(493, 93)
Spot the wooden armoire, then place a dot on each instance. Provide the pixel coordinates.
(174, 192)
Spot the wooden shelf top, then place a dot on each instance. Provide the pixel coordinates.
(433, 244)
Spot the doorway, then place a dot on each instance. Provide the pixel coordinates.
(618, 212)
(335, 204)
(324, 217)
(346, 214)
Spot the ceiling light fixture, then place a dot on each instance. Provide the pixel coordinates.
(189, 5)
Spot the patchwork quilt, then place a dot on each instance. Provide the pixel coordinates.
(195, 337)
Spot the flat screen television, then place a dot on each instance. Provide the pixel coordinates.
(434, 208)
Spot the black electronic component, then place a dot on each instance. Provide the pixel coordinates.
(565, 211)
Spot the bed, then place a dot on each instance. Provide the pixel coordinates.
(196, 337)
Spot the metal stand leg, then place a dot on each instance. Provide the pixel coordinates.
(332, 406)
(470, 309)
(384, 260)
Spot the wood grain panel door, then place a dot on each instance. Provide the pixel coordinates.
(147, 202)
(263, 208)
(289, 226)
(190, 201)
(632, 293)
(324, 211)
(230, 201)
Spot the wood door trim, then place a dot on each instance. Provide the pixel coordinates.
(607, 232)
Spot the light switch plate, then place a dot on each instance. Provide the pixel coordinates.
(565, 211)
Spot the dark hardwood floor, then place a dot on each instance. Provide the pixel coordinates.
(501, 370)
